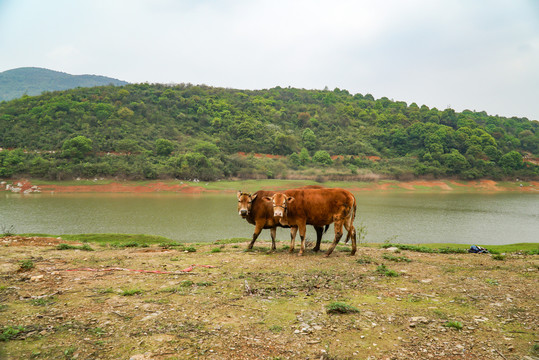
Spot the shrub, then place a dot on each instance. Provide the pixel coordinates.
(382, 269)
(498, 257)
(340, 308)
(454, 324)
(26, 265)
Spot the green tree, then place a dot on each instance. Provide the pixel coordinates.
(511, 161)
(163, 147)
(304, 157)
(77, 147)
(322, 157)
(309, 139)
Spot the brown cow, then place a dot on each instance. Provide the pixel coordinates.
(318, 207)
(260, 213)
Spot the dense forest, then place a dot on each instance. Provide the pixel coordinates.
(149, 131)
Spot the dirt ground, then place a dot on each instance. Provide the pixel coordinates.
(75, 304)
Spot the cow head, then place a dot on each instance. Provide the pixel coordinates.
(280, 204)
(244, 203)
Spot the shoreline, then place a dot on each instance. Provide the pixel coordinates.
(190, 187)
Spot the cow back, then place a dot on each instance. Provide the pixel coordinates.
(318, 206)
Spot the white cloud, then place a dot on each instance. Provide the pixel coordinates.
(470, 54)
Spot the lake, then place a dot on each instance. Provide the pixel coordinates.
(478, 218)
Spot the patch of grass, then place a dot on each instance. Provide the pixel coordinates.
(131, 292)
(428, 248)
(216, 250)
(11, 332)
(440, 314)
(231, 241)
(186, 283)
(344, 249)
(191, 249)
(44, 301)
(457, 325)
(340, 308)
(204, 283)
(500, 257)
(118, 239)
(99, 332)
(84, 247)
(396, 258)
(492, 282)
(364, 259)
(383, 270)
(108, 290)
(276, 329)
(26, 265)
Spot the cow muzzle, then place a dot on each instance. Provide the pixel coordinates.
(243, 213)
(278, 212)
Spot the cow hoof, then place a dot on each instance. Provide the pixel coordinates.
(326, 255)
(352, 253)
(316, 249)
(300, 254)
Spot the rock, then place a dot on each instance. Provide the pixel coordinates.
(426, 281)
(393, 249)
(419, 319)
(37, 278)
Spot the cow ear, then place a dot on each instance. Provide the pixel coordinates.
(254, 197)
(290, 199)
(267, 198)
(239, 194)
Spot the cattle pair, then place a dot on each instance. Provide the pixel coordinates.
(297, 208)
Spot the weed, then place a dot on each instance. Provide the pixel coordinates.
(440, 314)
(364, 259)
(186, 283)
(454, 324)
(361, 233)
(382, 269)
(7, 230)
(68, 353)
(105, 291)
(131, 292)
(205, 283)
(11, 332)
(396, 258)
(97, 331)
(84, 247)
(190, 249)
(276, 329)
(492, 281)
(344, 249)
(216, 250)
(340, 308)
(44, 301)
(425, 249)
(498, 257)
(26, 265)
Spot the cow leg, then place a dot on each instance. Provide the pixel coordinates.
(258, 229)
(319, 232)
(273, 231)
(293, 231)
(302, 230)
(351, 235)
(338, 234)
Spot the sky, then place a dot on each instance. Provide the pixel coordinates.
(480, 55)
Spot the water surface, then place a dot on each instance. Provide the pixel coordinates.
(499, 218)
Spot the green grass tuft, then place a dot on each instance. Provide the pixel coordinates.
(454, 324)
(340, 308)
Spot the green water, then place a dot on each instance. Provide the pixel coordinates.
(399, 217)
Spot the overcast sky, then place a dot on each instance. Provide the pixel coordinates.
(464, 54)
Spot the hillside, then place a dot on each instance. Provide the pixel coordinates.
(33, 81)
(145, 131)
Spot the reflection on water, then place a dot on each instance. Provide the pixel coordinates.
(405, 217)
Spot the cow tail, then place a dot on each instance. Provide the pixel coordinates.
(351, 219)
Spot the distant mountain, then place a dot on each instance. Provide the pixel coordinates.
(33, 81)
